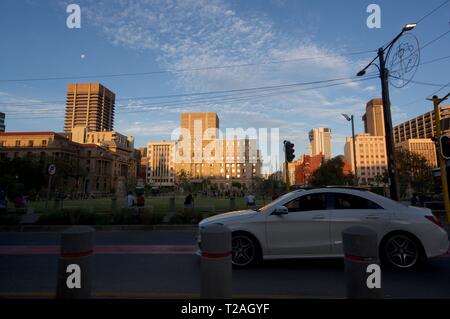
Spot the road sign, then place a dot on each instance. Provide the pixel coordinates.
(51, 169)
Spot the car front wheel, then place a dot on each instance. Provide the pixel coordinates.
(244, 250)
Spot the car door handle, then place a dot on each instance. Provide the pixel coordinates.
(372, 217)
(318, 217)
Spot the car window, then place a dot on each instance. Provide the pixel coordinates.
(307, 202)
(349, 201)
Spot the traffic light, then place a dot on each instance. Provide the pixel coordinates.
(445, 146)
(289, 151)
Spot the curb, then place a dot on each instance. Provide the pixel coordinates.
(57, 228)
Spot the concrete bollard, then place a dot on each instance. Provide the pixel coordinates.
(75, 263)
(215, 268)
(362, 264)
(172, 204)
(232, 203)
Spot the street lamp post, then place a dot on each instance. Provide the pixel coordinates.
(389, 134)
(351, 119)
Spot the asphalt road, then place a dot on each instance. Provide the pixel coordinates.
(149, 272)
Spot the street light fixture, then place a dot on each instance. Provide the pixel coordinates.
(389, 135)
(350, 119)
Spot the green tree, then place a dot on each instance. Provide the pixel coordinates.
(331, 173)
(414, 173)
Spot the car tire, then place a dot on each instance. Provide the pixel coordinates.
(245, 250)
(402, 251)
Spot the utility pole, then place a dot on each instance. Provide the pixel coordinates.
(354, 151)
(351, 119)
(388, 130)
(442, 162)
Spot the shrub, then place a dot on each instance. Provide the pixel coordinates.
(152, 218)
(187, 217)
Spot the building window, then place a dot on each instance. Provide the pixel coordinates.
(17, 143)
(44, 142)
(30, 143)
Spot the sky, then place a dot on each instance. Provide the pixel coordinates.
(186, 47)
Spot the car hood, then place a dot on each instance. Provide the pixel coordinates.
(229, 217)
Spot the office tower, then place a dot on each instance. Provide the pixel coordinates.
(161, 165)
(89, 105)
(371, 161)
(320, 141)
(422, 126)
(374, 118)
(422, 146)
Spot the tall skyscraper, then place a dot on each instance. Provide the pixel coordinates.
(374, 117)
(320, 141)
(89, 105)
(2, 122)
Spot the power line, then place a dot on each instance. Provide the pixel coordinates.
(171, 96)
(432, 11)
(181, 106)
(435, 60)
(182, 70)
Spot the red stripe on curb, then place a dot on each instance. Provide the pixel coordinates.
(77, 255)
(216, 255)
(358, 258)
(103, 250)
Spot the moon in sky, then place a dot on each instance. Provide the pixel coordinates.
(83, 56)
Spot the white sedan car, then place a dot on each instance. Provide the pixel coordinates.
(309, 224)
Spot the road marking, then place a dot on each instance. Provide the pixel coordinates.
(103, 250)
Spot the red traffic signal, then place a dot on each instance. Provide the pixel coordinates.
(289, 151)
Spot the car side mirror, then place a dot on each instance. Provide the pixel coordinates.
(280, 210)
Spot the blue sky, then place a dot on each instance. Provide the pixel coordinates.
(138, 36)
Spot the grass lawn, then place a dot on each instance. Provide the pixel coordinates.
(160, 204)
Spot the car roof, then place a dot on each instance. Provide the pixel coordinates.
(380, 200)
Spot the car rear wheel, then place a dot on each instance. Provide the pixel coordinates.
(402, 251)
(244, 250)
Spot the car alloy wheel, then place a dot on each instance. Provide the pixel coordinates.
(402, 251)
(243, 250)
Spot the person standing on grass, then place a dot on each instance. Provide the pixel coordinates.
(141, 200)
(130, 200)
(250, 200)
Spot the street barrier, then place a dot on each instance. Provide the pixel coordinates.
(362, 264)
(75, 263)
(215, 268)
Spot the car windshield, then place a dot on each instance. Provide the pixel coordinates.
(274, 203)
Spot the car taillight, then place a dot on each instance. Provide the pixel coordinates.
(434, 219)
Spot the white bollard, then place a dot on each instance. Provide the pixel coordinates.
(216, 268)
(362, 265)
(75, 263)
